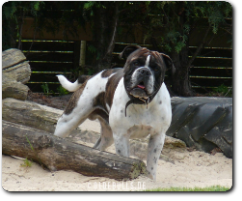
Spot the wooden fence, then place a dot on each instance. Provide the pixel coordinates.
(211, 69)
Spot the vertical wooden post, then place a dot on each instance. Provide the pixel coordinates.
(82, 54)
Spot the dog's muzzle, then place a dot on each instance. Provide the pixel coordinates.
(141, 84)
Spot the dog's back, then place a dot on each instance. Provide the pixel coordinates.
(92, 99)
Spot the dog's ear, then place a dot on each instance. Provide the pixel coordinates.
(128, 50)
(169, 63)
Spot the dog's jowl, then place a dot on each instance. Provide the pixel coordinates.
(129, 102)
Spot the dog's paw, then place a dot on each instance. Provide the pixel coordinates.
(149, 175)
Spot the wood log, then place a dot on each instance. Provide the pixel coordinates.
(16, 72)
(20, 72)
(11, 57)
(14, 89)
(29, 114)
(59, 154)
(45, 118)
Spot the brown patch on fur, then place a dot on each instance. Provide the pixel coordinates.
(99, 101)
(108, 72)
(111, 86)
(74, 98)
(142, 53)
(97, 113)
(83, 78)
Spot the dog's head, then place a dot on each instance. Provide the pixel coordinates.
(144, 72)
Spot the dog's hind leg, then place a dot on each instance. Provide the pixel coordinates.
(82, 103)
(78, 109)
(106, 138)
(68, 123)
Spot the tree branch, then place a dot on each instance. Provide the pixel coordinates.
(199, 48)
(115, 23)
(20, 30)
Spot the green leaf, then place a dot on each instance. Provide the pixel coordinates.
(89, 5)
(179, 46)
(9, 12)
(36, 5)
(91, 49)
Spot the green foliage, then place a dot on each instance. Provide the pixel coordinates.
(222, 90)
(196, 189)
(90, 71)
(46, 89)
(173, 20)
(177, 41)
(91, 49)
(62, 91)
(26, 163)
(215, 12)
(89, 5)
(32, 148)
(179, 46)
(14, 13)
(177, 19)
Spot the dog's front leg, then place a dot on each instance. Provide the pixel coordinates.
(121, 144)
(155, 146)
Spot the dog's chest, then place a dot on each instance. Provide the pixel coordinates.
(139, 131)
(140, 120)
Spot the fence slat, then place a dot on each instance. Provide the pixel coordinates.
(54, 46)
(211, 72)
(210, 82)
(49, 57)
(212, 68)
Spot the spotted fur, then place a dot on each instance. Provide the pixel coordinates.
(129, 102)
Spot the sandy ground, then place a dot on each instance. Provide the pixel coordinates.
(194, 169)
(183, 169)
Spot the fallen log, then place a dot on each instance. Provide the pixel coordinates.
(16, 72)
(20, 72)
(29, 114)
(44, 118)
(59, 154)
(13, 89)
(12, 56)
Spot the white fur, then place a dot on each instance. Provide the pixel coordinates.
(108, 108)
(68, 122)
(147, 61)
(141, 121)
(67, 84)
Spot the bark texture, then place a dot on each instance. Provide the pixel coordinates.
(59, 154)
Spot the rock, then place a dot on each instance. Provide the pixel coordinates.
(173, 143)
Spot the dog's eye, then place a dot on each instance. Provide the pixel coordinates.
(155, 68)
(135, 63)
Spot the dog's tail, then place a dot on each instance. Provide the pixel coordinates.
(69, 86)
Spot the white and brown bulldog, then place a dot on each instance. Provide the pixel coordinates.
(129, 102)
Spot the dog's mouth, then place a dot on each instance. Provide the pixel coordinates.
(139, 91)
(141, 86)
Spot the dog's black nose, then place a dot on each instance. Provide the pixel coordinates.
(144, 72)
